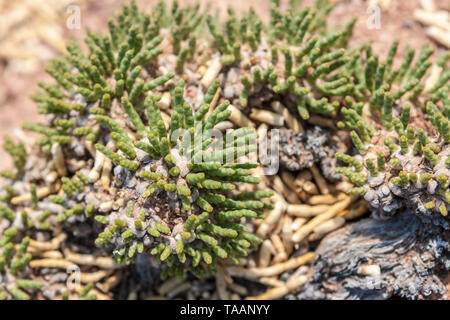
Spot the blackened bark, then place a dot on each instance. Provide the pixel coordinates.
(412, 252)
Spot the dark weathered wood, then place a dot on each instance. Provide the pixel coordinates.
(413, 254)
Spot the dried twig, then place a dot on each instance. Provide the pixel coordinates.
(278, 292)
(273, 270)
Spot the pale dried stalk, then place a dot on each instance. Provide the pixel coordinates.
(278, 292)
(111, 282)
(268, 117)
(428, 5)
(438, 19)
(179, 289)
(303, 270)
(439, 35)
(254, 273)
(310, 188)
(88, 277)
(291, 121)
(94, 174)
(321, 183)
(52, 263)
(321, 121)
(201, 70)
(281, 254)
(190, 296)
(165, 101)
(357, 211)
(156, 298)
(235, 296)
(90, 260)
(280, 187)
(286, 234)
(326, 227)
(40, 193)
(265, 252)
(326, 199)
(58, 158)
(271, 281)
(302, 177)
(298, 223)
(211, 73)
(277, 107)
(305, 210)
(214, 101)
(52, 254)
(289, 179)
(106, 174)
(433, 78)
(90, 147)
(99, 295)
(169, 285)
(166, 119)
(221, 284)
(106, 206)
(304, 231)
(238, 289)
(238, 118)
(274, 216)
(279, 225)
(51, 177)
(49, 245)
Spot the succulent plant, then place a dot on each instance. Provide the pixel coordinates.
(13, 263)
(402, 138)
(131, 146)
(173, 188)
(398, 122)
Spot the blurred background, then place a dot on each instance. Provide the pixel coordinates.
(34, 31)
